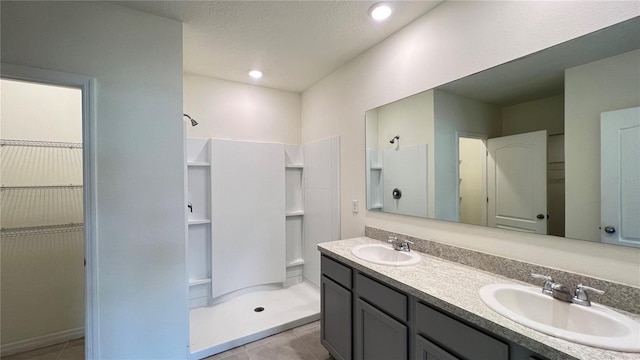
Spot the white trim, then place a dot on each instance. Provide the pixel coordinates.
(41, 341)
(88, 86)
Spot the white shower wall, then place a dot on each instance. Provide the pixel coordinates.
(405, 169)
(321, 201)
(248, 223)
(258, 212)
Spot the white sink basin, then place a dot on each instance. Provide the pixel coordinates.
(593, 325)
(385, 255)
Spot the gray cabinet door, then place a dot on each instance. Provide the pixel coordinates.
(426, 350)
(378, 336)
(335, 322)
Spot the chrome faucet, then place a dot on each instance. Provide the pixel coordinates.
(400, 245)
(562, 292)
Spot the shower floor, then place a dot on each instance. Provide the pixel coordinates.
(234, 322)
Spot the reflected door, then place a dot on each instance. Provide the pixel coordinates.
(620, 177)
(517, 182)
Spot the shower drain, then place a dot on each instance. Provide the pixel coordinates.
(259, 309)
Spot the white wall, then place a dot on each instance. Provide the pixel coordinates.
(456, 115)
(434, 50)
(137, 61)
(591, 89)
(230, 110)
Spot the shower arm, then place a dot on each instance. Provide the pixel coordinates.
(193, 121)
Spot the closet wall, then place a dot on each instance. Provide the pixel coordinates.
(41, 215)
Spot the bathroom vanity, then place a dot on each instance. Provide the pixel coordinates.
(429, 310)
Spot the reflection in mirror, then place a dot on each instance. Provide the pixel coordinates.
(519, 146)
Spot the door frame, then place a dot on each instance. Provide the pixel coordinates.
(470, 135)
(87, 85)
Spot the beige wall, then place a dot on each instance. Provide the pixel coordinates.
(230, 110)
(543, 114)
(472, 185)
(434, 50)
(591, 89)
(40, 112)
(407, 118)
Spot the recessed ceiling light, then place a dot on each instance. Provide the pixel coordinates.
(380, 11)
(256, 74)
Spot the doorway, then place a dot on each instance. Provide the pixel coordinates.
(472, 184)
(48, 215)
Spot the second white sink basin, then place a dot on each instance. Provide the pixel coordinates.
(385, 255)
(593, 325)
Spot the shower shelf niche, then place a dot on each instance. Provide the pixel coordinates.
(294, 211)
(296, 262)
(199, 222)
(194, 282)
(198, 163)
(198, 173)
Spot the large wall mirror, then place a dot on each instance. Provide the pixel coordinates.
(547, 144)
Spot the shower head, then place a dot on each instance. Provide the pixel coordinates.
(393, 139)
(193, 121)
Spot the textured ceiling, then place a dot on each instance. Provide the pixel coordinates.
(295, 43)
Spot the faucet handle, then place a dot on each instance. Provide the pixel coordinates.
(548, 283)
(406, 245)
(581, 296)
(392, 239)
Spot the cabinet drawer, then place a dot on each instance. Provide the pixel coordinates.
(336, 271)
(456, 337)
(385, 298)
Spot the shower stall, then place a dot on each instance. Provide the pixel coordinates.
(255, 213)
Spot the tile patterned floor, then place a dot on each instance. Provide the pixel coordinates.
(70, 350)
(301, 343)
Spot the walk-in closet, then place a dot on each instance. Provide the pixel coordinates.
(42, 237)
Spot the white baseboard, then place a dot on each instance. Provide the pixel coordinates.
(41, 341)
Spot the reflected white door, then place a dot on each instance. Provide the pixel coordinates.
(620, 177)
(517, 182)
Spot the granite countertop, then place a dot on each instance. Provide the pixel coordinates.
(454, 288)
